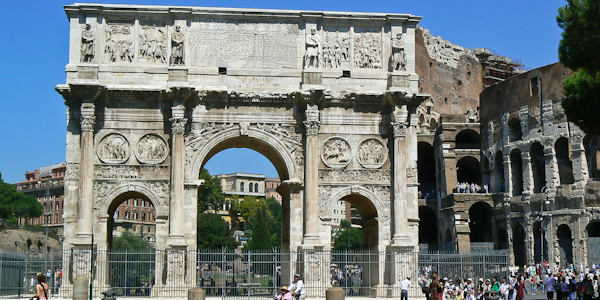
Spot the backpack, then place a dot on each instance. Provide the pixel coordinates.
(588, 290)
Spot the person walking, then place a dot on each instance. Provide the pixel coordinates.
(504, 289)
(549, 285)
(41, 288)
(404, 285)
(297, 288)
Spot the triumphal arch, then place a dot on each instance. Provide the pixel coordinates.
(153, 92)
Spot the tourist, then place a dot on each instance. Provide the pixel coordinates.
(549, 285)
(297, 288)
(285, 294)
(521, 291)
(404, 285)
(41, 288)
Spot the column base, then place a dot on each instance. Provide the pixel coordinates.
(312, 240)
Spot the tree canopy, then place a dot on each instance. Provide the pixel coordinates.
(131, 243)
(212, 196)
(578, 50)
(340, 241)
(14, 204)
(214, 232)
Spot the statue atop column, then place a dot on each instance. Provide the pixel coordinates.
(398, 54)
(311, 58)
(87, 43)
(177, 50)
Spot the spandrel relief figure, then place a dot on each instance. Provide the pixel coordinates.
(177, 50)
(398, 54)
(87, 44)
(311, 58)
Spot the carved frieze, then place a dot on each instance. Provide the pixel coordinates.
(113, 149)
(72, 171)
(336, 152)
(151, 149)
(367, 50)
(119, 43)
(131, 172)
(372, 153)
(411, 175)
(354, 176)
(152, 42)
(198, 137)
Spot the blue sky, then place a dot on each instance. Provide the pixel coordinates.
(34, 51)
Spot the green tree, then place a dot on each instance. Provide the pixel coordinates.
(214, 232)
(578, 50)
(340, 242)
(275, 229)
(212, 196)
(261, 235)
(131, 243)
(14, 204)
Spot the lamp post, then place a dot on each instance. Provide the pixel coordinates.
(546, 191)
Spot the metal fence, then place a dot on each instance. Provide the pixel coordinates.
(241, 274)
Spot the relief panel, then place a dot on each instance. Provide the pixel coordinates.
(372, 153)
(367, 50)
(336, 152)
(151, 149)
(152, 42)
(113, 149)
(119, 47)
(335, 48)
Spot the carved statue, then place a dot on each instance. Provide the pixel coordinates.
(471, 115)
(311, 58)
(87, 44)
(177, 39)
(398, 54)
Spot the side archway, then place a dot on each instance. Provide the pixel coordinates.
(565, 244)
(480, 222)
(468, 170)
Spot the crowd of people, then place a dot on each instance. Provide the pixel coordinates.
(465, 187)
(556, 283)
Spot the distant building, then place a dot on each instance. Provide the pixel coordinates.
(48, 186)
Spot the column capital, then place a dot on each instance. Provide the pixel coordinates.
(312, 127)
(399, 128)
(178, 125)
(87, 123)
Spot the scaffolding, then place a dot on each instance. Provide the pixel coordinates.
(497, 68)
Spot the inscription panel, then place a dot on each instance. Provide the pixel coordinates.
(237, 44)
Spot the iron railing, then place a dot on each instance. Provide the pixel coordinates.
(240, 274)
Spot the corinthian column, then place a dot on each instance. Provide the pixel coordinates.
(176, 219)
(86, 171)
(311, 175)
(399, 189)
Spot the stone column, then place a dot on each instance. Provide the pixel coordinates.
(399, 125)
(507, 175)
(527, 182)
(552, 177)
(412, 181)
(580, 168)
(311, 176)
(176, 219)
(86, 172)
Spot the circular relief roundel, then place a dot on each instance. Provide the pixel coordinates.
(151, 149)
(372, 153)
(113, 149)
(336, 152)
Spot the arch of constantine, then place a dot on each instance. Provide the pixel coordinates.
(330, 98)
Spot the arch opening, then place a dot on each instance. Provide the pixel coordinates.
(562, 147)
(362, 215)
(593, 241)
(468, 139)
(516, 170)
(519, 249)
(500, 186)
(428, 227)
(502, 239)
(131, 232)
(514, 130)
(241, 180)
(467, 170)
(481, 215)
(131, 212)
(591, 144)
(538, 235)
(426, 170)
(565, 244)
(538, 166)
